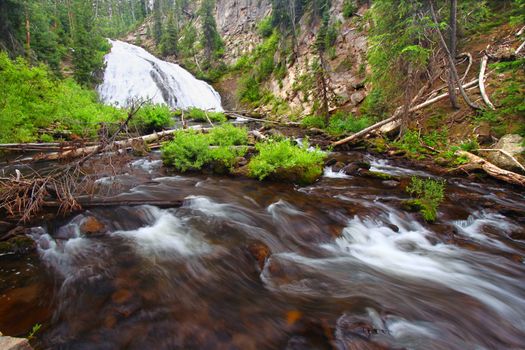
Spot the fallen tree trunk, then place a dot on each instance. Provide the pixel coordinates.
(79, 152)
(481, 79)
(237, 115)
(506, 154)
(396, 115)
(496, 172)
(85, 204)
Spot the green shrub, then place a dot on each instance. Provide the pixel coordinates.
(31, 99)
(428, 195)
(469, 145)
(342, 124)
(228, 135)
(152, 117)
(349, 8)
(249, 89)
(313, 121)
(191, 150)
(284, 160)
(411, 143)
(264, 27)
(198, 114)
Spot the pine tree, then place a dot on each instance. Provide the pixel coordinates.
(170, 37)
(157, 21)
(210, 39)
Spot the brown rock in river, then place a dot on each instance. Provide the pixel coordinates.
(260, 252)
(92, 226)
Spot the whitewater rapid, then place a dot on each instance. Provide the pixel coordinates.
(132, 73)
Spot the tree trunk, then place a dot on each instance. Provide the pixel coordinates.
(453, 51)
(452, 64)
(395, 116)
(323, 88)
(28, 34)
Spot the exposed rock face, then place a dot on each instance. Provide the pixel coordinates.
(513, 145)
(237, 22)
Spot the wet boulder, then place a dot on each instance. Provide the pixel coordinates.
(338, 166)
(260, 252)
(11, 343)
(509, 145)
(390, 183)
(376, 175)
(355, 167)
(91, 226)
(19, 245)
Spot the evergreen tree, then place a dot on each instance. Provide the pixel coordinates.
(210, 39)
(170, 37)
(157, 21)
(89, 46)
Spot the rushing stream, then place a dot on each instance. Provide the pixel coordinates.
(248, 265)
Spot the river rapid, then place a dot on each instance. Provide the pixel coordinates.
(249, 265)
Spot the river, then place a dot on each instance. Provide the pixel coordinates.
(249, 265)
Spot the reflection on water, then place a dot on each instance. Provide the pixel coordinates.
(245, 265)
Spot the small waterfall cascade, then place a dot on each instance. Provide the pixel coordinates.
(133, 73)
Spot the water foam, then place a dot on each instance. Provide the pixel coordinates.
(133, 73)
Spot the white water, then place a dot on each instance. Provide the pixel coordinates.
(410, 255)
(133, 73)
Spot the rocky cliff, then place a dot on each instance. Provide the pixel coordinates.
(237, 22)
(345, 65)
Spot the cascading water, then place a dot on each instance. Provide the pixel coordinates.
(246, 265)
(133, 73)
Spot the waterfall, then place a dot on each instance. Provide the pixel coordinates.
(133, 73)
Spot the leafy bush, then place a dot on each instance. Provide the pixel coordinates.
(198, 114)
(152, 118)
(286, 161)
(341, 124)
(313, 121)
(411, 143)
(428, 196)
(228, 135)
(264, 27)
(32, 99)
(249, 89)
(349, 8)
(469, 145)
(191, 150)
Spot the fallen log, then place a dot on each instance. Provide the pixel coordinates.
(518, 50)
(506, 154)
(496, 172)
(104, 203)
(481, 79)
(79, 152)
(396, 115)
(237, 115)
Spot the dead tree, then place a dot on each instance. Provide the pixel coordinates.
(453, 51)
(450, 59)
